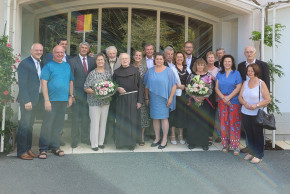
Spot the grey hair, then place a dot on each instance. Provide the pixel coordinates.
(35, 44)
(111, 48)
(168, 48)
(251, 47)
(220, 49)
(124, 54)
(148, 44)
(84, 43)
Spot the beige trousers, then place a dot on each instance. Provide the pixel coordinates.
(98, 116)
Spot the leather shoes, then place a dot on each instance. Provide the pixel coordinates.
(26, 156)
(32, 154)
(156, 144)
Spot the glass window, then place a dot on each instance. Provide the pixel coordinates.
(51, 29)
(201, 34)
(90, 37)
(171, 31)
(143, 28)
(114, 32)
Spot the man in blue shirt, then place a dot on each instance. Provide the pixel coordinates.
(57, 88)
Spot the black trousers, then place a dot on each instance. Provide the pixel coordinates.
(255, 135)
(80, 121)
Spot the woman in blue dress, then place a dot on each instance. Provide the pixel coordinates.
(160, 86)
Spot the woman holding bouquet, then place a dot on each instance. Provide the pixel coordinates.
(160, 86)
(199, 106)
(228, 86)
(144, 111)
(128, 104)
(98, 107)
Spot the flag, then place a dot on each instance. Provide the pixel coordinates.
(84, 23)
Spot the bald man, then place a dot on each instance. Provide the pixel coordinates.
(57, 88)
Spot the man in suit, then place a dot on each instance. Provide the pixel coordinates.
(81, 66)
(190, 59)
(169, 54)
(250, 54)
(220, 52)
(62, 42)
(113, 62)
(29, 71)
(149, 52)
(57, 88)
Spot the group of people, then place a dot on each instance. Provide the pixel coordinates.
(152, 93)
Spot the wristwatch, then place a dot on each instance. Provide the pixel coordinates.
(72, 96)
(258, 105)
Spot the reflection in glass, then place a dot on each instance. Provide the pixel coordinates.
(113, 31)
(90, 37)
(171, 31)
(143, 28)
(201, 34)
(51, 29)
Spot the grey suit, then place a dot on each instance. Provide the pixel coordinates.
(80, 109)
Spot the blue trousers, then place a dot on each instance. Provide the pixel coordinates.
(52, 126)
(24, 133)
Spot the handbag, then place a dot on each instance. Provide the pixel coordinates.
(267, 121)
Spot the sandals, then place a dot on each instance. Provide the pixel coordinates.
(58, 152)
(42, 155)
(181, 140)
(141, 143)
(173, 140)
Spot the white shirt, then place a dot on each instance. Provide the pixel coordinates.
(86, 59)
(170, 64)
(38, 69)
(247, 63)
(64, 58)
(150, 62)
(188, 62)
(178, 92)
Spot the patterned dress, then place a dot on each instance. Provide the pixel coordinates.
(145, 119)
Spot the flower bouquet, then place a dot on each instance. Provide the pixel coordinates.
(199, 88)
(105, 89)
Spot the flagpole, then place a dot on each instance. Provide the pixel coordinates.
(84, 36)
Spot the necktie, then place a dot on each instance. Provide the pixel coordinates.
(38, 68)
(85, 65)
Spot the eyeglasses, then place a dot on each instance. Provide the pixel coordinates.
(249, 52)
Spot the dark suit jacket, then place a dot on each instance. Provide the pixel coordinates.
(192, 62)
(28, 82)
(217, 64)
(49, 57)
(264, 71)
(78, 72)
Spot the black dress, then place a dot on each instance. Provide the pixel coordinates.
(198, 122)
(128, 129)
(181, 101)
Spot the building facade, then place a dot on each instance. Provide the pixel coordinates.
(130, 24)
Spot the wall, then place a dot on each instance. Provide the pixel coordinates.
(281, 87)
(2, 16)
(27, 33)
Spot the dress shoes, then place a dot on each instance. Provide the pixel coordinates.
(32, 154)
(95, 149)
(26, 156)
(156, 144)
(101, 146)
(190, 146)
(205, 148)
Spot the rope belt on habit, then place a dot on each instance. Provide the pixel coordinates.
(129, 93)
